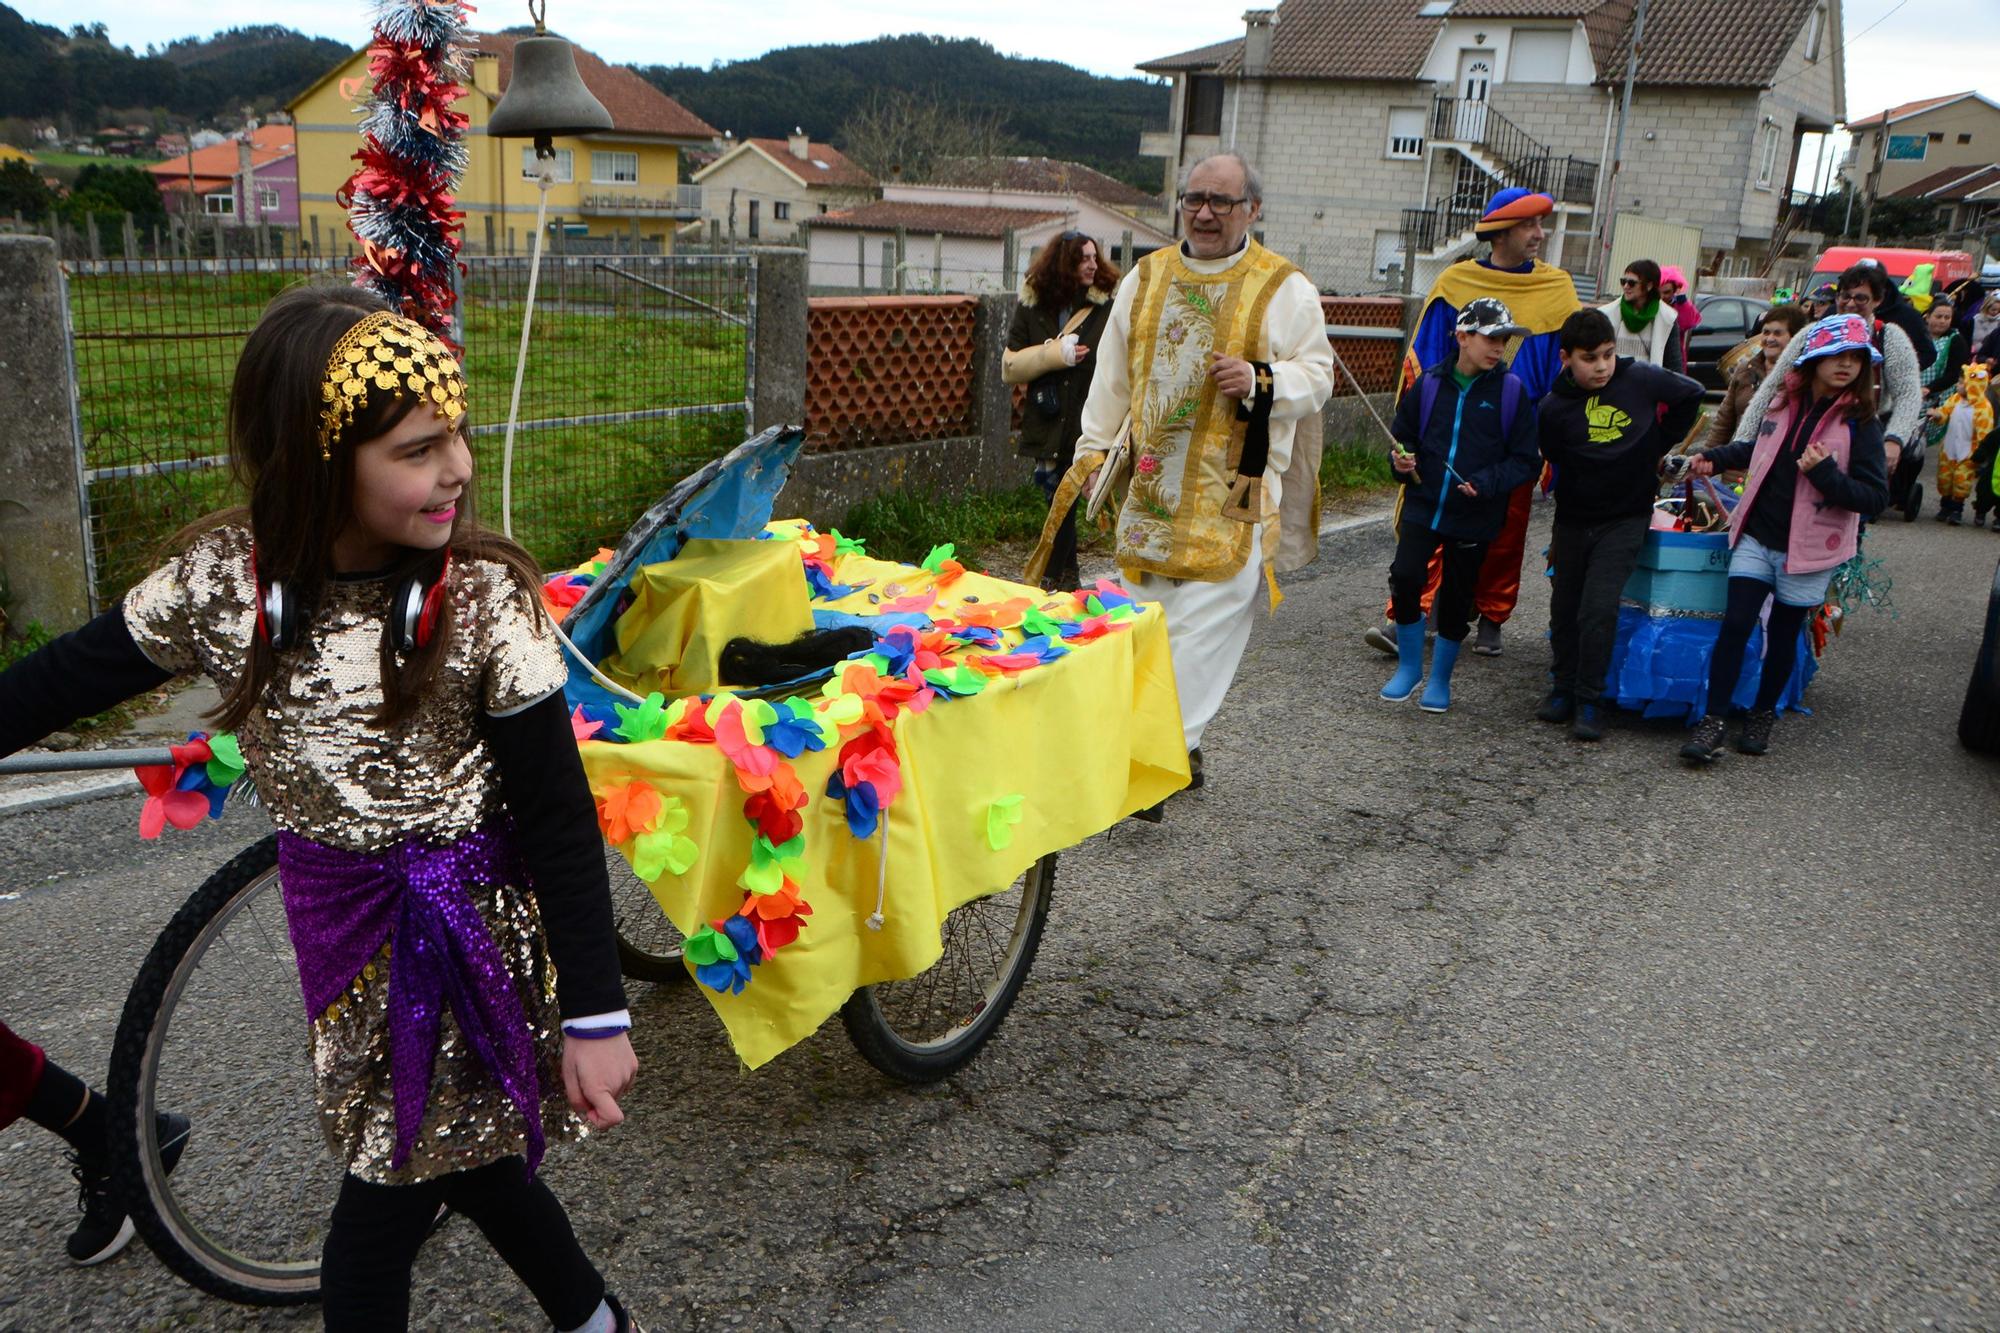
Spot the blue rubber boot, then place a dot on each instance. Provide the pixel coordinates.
(1410, 663)
(1437, 694)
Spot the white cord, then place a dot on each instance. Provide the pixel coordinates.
(881, 870)
(545, 178)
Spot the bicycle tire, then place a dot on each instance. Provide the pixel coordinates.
(137, 1176)
(649, 948)
(887, 1026)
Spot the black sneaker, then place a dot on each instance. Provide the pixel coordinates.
(1152, 814)
(1705, 743)
(1584, 726)
(1559, 706)
(1486, 642)
(1755, 738)
(1194, 769)
(1979, 518)
(1382, 638)
(105, 1229)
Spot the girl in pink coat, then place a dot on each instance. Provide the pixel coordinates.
(1816, 470)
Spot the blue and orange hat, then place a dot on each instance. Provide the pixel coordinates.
(1836, 334)
(1509, 206)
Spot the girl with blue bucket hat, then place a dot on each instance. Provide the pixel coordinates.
(1816, 470)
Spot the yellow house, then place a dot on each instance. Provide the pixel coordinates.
(625, 182)
(9, 153)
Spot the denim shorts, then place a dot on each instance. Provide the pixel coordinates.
(1753, 560)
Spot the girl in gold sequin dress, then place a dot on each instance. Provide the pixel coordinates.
(398, 696)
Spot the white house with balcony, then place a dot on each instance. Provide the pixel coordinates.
(1380, 130)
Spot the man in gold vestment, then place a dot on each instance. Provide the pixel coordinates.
(1216, 349)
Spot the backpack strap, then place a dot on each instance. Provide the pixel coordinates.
(1512, 394)
(1429, 389)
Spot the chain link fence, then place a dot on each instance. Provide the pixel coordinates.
(640, 370)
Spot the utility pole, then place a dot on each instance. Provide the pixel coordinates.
(1618, 153)
(1874, 182)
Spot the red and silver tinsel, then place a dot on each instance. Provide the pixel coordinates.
(399, 202)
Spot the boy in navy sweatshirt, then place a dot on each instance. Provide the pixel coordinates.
(1465, 439)
(1605, 426)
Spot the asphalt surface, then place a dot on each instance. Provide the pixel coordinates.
(1405, 1022)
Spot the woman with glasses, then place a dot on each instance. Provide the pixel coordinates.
(1645, 324)
(1065, 300)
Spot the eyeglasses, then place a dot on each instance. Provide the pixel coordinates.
(1219, 204)
(1628, 282)
(1860, 296)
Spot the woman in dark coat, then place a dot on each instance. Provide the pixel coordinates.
(1048, 349)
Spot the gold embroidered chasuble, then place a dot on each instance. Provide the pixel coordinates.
(1187, 440)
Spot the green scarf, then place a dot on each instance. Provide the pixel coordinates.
(1638, 319)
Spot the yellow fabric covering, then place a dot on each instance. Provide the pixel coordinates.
(1085, 740)
(685, 609)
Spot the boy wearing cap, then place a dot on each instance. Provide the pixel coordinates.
(1465, 439)
(1605, 427)
(1540, 296)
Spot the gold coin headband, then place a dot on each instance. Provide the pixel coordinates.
(388, 353)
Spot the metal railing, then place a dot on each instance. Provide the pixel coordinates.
(1523, 159)
(1428, 229)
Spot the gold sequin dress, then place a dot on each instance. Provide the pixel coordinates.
(326, 771)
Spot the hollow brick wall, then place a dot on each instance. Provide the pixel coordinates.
(888, 369)
(1374, 361)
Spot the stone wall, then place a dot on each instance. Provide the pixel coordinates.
(42, 553)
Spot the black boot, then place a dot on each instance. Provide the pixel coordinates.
(1704, 744)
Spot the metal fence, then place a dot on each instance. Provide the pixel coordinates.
(641, 368)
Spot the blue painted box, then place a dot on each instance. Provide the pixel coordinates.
(1681, 573)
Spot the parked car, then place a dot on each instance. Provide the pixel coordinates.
(1726, 320)
(1979, 716)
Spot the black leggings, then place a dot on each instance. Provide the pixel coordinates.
(378, 1229)
(1781, 645)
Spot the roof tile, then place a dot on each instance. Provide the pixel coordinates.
(1043, 175)
(823, 165)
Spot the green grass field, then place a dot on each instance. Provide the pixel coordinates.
(156, 354)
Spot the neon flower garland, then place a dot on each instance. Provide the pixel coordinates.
(193, 786)
(907, 669)
(399, 201)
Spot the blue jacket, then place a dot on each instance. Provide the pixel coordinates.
(1464, 442)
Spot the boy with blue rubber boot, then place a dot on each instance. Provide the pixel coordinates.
(1466, 438)
(1604, 428)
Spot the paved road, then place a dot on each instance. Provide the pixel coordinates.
(1405, 1022)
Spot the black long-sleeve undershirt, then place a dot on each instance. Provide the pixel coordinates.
(541, 780)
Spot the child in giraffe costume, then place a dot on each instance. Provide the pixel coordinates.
(1967, 417)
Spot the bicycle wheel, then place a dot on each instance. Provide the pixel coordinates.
(931, 1025)
(649, 948)
(214, 1028)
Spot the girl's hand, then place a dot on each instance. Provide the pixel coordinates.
(1402, 462)
(1699, 466)
(1466, 488)
(596, 1073)
(1813, 457)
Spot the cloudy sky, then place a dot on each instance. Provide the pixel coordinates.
(1896, 50)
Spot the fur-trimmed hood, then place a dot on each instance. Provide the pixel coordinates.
(1096, 295)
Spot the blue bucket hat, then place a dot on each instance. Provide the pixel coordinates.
(1836, 334)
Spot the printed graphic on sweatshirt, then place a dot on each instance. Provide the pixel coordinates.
(1607, 423)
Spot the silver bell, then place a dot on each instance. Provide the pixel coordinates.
(545, 95)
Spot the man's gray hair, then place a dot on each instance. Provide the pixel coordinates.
(1253, 184)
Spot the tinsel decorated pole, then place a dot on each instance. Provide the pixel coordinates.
(399, 201)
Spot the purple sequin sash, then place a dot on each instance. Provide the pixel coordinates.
(341, 906)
